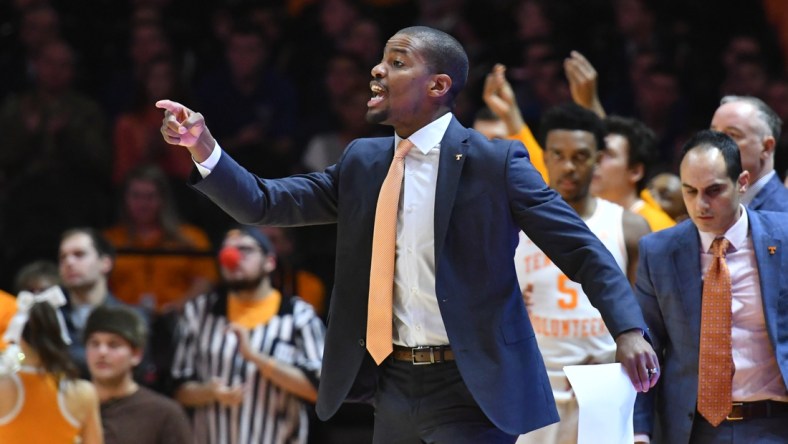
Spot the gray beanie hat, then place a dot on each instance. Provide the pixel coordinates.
(118, 319)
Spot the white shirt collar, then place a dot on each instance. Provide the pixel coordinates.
(427, 137)
(736, 234)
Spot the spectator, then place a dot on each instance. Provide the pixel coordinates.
(39, 24)
(37, 276)
(115, 337)
(161, 262)
(85, 261)
(269, 348)
(54, 160)
(252, 105)
(136, 132)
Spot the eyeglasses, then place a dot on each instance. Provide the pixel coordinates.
(246, 250)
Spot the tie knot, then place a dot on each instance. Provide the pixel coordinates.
(403, 148)
(719, 246)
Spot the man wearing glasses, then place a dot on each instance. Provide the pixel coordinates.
(244, 345)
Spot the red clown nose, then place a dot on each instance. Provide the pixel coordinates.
(229, 258)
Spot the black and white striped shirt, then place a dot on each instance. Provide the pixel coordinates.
(267, 414)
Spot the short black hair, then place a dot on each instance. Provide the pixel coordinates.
(710, 139)
(100, 243)
(641, 141)
(444, 55)
(571, 116)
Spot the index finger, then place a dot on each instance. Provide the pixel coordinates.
(174, 107)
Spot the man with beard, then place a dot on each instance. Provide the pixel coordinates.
(114, 343)
(568, 328)
(248, 359)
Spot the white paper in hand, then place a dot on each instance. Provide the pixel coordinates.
(606, 399)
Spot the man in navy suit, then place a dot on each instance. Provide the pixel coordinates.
(669, 288)
(457, 306)
(756, 129)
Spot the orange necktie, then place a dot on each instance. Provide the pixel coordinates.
(381, 273)
(715, 361)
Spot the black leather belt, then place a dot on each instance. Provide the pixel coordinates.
(742, 411)
(425, 355)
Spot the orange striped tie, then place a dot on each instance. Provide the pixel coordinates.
(715, 361)
(381, 273)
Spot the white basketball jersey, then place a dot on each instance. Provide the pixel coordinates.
(568, 328)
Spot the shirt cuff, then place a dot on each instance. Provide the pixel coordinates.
(205, 167)
(642, 437)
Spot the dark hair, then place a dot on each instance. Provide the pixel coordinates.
(766, 115)
(710, 139)
(34, 270)
(42, 333)
(100, 243)
(444, 55)
(641, 141)
(570, 116)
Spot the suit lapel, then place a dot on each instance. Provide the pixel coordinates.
(686, 266)
(769, 274)
(377, 169)
(453, 152)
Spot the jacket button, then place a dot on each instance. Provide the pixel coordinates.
(362, 343)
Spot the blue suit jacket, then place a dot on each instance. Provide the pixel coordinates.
(486, 192)
(669, 287)
(772, 197)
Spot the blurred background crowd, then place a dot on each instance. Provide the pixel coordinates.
(283, 86)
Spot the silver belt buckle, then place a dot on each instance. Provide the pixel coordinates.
(415, 350)
(740, 415)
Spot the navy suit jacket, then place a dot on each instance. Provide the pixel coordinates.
(772, 197)
(669, 287)
(486, 191)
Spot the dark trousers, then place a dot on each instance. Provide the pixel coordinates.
(417, 404)
(752, 431)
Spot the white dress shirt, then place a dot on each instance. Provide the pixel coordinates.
(417, 318)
